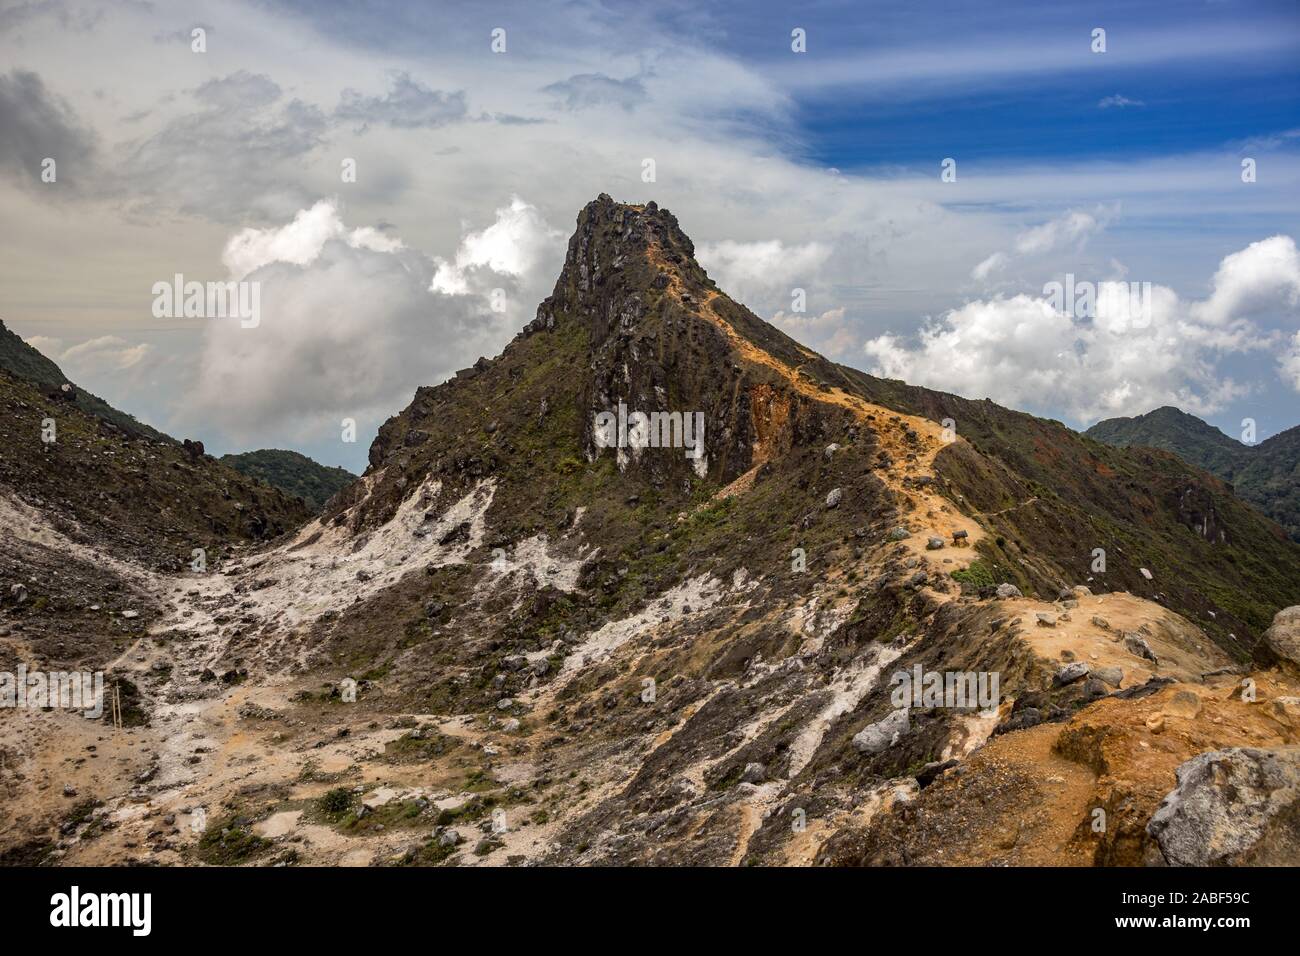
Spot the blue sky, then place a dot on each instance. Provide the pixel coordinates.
(816, 171)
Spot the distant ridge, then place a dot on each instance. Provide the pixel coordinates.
(293, 473)
(1267, 475)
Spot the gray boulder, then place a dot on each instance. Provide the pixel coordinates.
(1114, 676)
(1239, 806)
(834, 498)
(1008, 591)
(874, 738)
(1070, 673)
(1283, 637)
(1137, 645)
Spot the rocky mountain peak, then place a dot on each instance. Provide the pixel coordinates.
(618, 254)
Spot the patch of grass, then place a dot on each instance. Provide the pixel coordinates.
(978, 573)
(430, 853)
(471, 810)
(395, 813)
(413, 747)
(229, 842)
(333, 804)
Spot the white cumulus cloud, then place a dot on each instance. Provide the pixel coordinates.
(512, 246)
(299, 242)
(1046, 356)
(350, 326)
(1265, 275)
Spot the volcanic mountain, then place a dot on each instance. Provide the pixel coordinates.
(511, 643)
(1267, 475)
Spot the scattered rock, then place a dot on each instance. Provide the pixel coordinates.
(1113, 676)
(1008, 591)
(1232, 807)
(931, 771)
(833, 499)
(1070, 673)
(1283, 636)
(883, 733)
(1183, 703)
(934, 544)
(1138, 645)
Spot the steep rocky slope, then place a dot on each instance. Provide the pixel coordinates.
(563, 652)
(86, 517)
(1266, 475)
(24, 362)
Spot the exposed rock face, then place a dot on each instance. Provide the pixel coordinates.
(1283, 638)
(1232, 807)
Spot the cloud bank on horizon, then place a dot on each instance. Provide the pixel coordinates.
(900, 195)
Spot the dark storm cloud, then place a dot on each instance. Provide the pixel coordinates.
(37, 124)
